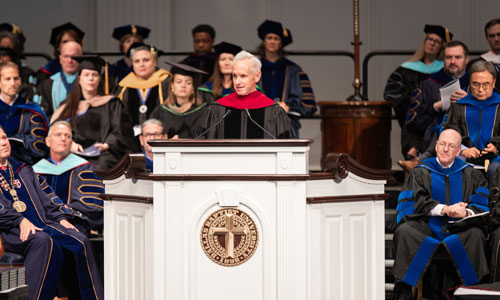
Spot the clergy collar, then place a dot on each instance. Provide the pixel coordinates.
(491, 57)
(12, 103)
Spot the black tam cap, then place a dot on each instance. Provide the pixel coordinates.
(275, 27)
(120, 32)
(139, 46)
(441, 31)
(90, 62)
(224, 47)
(15, 30)
(184, 69)
(64, 27)
(4, 51)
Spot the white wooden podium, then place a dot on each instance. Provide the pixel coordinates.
(181, 232)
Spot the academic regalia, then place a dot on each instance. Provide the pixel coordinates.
(418, 235)
(422, 119)
(135, 93)
(149, 163)
(492, 58)
(46, 214)
(207, 94)
(118, 71)
(180, 121)
(399, 90)
(105, 120)
(203, 62)
(78, 186)
(53, 91)
(237, 124)
(284, 80)
(25, 120)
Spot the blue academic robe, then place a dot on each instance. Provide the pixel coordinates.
(418, 234)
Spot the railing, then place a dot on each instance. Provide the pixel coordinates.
(372, 54)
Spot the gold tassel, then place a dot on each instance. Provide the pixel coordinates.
(106, 78)
(160, 93)
(447, 34)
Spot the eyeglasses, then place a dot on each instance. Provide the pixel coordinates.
(433, 41)
(155, 135)
(477, 85)
(450, 146)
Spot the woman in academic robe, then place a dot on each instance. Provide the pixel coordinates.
(220, 84)
(182, 111)
(144, 88)
(97, 119)
(126, 35)
(402, 83)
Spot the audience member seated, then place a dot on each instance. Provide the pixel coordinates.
(126, 35)
(476, 116)
(151, 129)
(73, 179)
(203, 58)
(440, 190)
(59, 36)
(246, 113)
(492, 32)
(22, 120)
(182, 112)
(405, 79)
(8, 54)
(146, 87)
(35, 226)
(52, 91)
(99, 121)
(220, 84)
(11, 36)
(283, 80)
(426, 112)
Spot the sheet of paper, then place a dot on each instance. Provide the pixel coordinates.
(446, 91)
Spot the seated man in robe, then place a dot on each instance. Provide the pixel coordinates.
(246, 113)
(53, 90)
(439, 190)
(73, 179)
(425, 111)
(24, 204)
(22, 120)
(151, 129)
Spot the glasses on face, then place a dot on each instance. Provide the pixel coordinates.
(478, 85)
(433, 41)
(154, 135)
(443, 145)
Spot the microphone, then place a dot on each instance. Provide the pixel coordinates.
(258, 125)
(228, 112)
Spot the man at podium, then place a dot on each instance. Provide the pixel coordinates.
(246, 113)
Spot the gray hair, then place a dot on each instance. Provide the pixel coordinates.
(65, 123)
(150, 49)
(481, 66)
(255, 64)
(152, 122)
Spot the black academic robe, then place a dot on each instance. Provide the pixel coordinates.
(418, 235)
(156, 90)
(108, 123)
(52, 91)
(76, 183)
(185, 125)
(25, 121)
(237, 124)
(46, 213)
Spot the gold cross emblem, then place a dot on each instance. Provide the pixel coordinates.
(229, 231)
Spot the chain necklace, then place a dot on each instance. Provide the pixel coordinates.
(18, 205)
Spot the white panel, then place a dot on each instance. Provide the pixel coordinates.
(333, 253)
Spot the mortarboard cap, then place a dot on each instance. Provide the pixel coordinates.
(120, 32)
(275, 27)
(15, 30)
(4, 51)
(64, 27)
(138, 45)
(225, 47)
(94, 62)
(441, 31)
(184, 69)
